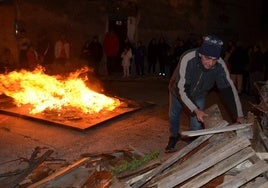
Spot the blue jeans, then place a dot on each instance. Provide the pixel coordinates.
(175, 108)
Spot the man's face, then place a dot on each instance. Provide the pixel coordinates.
(207, 61)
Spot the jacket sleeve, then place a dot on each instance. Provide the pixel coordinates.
(182, 81)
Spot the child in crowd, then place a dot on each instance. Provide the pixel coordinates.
(126, 59)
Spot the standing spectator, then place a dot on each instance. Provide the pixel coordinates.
(23, 44)
(163, 49)
(265, 55)
(179, 49)
(139, 58)
(152, 55)
(128, 43)
(238, 61)
(85, 52)
(227, 53)
(197, 73)
(111, 49)
(246, 79)
(62, 49)
(126, 60)
(62, 55)
(32, 58)
(92, 52)
(256, 66)
(170, 62)
(7, 61)
(44, 49)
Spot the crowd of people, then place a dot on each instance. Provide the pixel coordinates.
(158, 58)
(43, 52)
(54, 57)
(247, 64)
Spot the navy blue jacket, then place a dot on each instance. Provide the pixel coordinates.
(191, 81)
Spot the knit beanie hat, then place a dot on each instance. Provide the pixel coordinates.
(211, 46)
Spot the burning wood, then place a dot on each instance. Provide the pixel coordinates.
(44, 92)
(59, 100)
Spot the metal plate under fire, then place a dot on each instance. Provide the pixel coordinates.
(67, 117)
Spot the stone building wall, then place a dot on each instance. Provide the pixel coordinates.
(7, 29)
(173, 18)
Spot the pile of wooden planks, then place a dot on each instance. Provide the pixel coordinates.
(219, 152)
(213, 159)
(92, 170)
(222, 155)
(262, 111)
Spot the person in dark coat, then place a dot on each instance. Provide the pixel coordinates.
(93, 52)
(139, 57)
(152, 56)
(238, 61)
(179, 48)
(23, 44)
(163, 49)
(265, 57)
(45, 49)
(198, 71)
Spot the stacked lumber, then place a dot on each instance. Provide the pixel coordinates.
(212, 160)
(92, 170)
(222, 155)
(262, 111)
(218, 151)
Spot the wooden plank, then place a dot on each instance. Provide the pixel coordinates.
(215, 130)
(264, 138)
(182, 175)
(137, 178)
(262, 155)
(60, 173)
(246, 175)
(214, 116)
(265, 185)
(258, 181)
(257, 142)
(220, 168)
(175, 157)
(206, 150)
(13, 182)
(141, 170)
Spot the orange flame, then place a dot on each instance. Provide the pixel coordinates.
(45, 92)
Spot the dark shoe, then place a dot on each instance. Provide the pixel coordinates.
(171, 144)
(191, 139)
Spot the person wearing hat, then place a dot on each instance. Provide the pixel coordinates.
(196, 74)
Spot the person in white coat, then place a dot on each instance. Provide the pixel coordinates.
(62, 49)
(126, 59)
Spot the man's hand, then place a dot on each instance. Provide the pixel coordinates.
(200, 115)
(241, 120)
